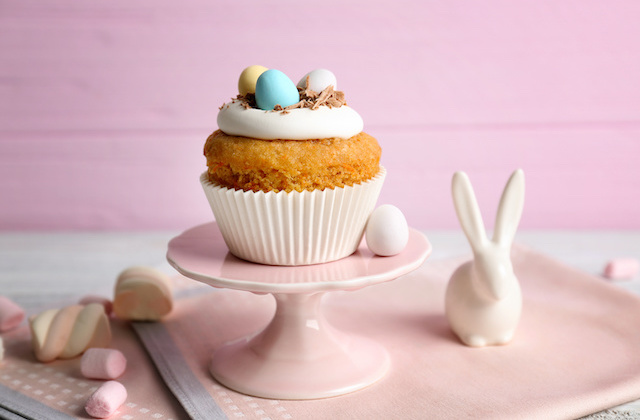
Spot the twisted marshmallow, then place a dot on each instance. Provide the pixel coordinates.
(68, 332)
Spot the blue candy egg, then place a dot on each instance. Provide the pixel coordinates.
(275, 88)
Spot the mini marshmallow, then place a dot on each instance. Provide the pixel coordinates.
(142, 294)
(98, 363)
(108, 305)
(106, 400)
(11, 315)
(621, 268)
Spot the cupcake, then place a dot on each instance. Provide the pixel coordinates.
(291, 178)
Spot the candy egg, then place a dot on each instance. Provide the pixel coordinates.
(387, 232)
(275, 88)
(319, 80)
(248, 79)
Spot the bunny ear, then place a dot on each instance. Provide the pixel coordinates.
(510, 209)
(467, 209)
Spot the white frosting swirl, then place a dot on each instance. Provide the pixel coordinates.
(296, 124)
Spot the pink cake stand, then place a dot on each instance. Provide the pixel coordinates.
(299, 355)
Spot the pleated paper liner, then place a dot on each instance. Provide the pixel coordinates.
(295, 228)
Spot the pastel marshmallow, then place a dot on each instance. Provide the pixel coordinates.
(621, 268)
(1, 350)
(105, 302)
(106, 400)
(142, 294)
(11, 315)
(100, 363)
(67, 332)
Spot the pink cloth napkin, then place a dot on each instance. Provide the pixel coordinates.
(577, 350)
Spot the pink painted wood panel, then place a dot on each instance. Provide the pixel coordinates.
(105, 105)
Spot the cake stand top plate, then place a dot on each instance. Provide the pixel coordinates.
(201, 254)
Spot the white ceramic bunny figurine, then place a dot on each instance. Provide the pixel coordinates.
(483, 299)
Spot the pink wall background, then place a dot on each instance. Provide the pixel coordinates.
(105, 105)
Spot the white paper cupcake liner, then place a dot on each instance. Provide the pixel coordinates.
(295, 228)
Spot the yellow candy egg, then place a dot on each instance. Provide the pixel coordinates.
(248, 78)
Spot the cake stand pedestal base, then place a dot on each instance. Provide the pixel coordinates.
(299, 355)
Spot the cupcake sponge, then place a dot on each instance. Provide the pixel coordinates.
(290, 165)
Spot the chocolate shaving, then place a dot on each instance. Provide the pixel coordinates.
(247, 101)
(308, 99)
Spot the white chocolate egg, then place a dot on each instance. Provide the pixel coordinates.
(248, 79)
(319, 80)
(387, 231)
